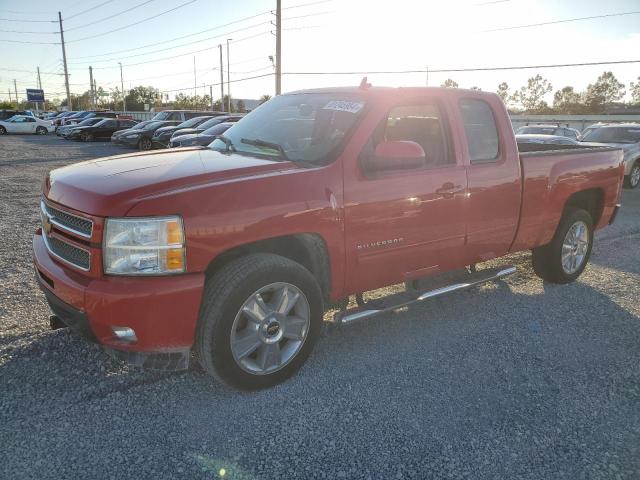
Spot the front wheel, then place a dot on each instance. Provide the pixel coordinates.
(41, 131)
(564, 259)
(144, 144)
(260, 318)
(633, 179)
(86, 137)
(3, 131)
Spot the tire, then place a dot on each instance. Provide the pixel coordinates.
(548, 261)
(86, 137)
(3, 131)
(144, 144)
(41, 131)
(633, 179)
(223, 321)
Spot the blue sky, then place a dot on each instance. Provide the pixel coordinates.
(335, 35)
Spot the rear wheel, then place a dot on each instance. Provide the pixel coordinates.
(86, 137)
(633, 179)
(41, 131)
(564, 259)
(260, 318)
(144, 144)
(3, 131)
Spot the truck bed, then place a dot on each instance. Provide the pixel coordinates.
(551, 174)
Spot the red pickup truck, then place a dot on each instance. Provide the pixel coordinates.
(236, 250)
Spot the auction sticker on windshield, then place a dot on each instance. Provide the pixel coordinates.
(343, 106)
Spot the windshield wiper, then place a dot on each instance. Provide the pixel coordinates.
(256, 142)
(227, 142)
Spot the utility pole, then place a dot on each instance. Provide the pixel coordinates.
(228, 79)
(124, 104)
(195, 83)
(9, 90)
(93, 95)
(95, 92)
(15, 89)
(278, 47)
(40, 87)
(211, 95)
(64, 61)
(221, 79)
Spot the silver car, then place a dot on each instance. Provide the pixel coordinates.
(543, 129)
(625, 136)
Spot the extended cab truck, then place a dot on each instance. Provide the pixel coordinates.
(234, 250)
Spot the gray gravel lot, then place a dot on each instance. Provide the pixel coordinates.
(516, 379)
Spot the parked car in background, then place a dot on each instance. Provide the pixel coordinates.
(183, 115)
(544, 129)
(208, 124)
(7, 114)
(201, 139)
(64, 131)
(234, 252)
(101, 130)
(625, 136)
(137, 126)
(546, 139)
(140, 138)
(57, 120)
(78, 117)
(162, 135)
(25, 124)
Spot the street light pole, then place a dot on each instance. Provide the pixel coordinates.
(228, 79)
(221, 79)
(124, 102)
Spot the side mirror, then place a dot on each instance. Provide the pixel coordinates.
(395, 155)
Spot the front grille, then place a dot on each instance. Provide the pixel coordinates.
(75, 224)
(69, 253)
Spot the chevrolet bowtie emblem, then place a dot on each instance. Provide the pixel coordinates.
(47, 225)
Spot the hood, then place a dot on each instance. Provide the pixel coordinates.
(162, 130)
(185, 131)
(112, 186)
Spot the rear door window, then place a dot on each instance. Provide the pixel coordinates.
(480, 130)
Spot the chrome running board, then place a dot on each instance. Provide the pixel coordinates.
(471, 280)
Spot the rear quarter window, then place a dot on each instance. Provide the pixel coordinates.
(480, 130)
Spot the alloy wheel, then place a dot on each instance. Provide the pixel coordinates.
(575, 247)
(270, 328)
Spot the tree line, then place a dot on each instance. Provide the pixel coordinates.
(530, 98)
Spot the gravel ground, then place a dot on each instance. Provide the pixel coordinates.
(515, 379)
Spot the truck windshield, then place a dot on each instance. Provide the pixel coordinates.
(613, 135)
(304, 127)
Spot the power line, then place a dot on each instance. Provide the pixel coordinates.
(222, 35)
(132, 24)
(305, 4)
(560, 21)
(475, 69)
(217, 84)
(88, 10)
(29, 42)
(27, 31)
(182, 54)
(110, 16)
(176, 38)
(26, 21)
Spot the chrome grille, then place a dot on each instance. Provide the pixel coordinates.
(68, 253)
(73, 223)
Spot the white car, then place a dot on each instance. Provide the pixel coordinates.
(25, 124)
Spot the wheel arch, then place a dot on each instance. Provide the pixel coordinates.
(591, 200)
(307, 249)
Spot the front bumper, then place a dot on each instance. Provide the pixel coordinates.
(163, 311)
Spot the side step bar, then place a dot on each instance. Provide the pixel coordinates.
(472, 280)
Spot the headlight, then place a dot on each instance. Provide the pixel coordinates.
(144, 246)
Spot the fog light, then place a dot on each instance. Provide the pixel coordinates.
(124, 333)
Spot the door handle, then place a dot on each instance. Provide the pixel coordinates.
(448, 190)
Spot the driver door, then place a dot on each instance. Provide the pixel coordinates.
(405, 223)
